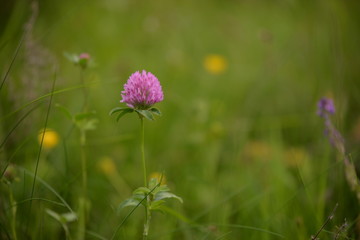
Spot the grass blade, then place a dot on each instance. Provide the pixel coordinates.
(250, 228)
(13, 155)
(51, 189)
(39, 199)
(40, 148)
(13, 58)
(17, 124)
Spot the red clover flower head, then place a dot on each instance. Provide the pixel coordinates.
(325, 107)
(142, 90)
(84, 56)
(83, 60)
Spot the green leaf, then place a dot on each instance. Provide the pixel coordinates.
(163, 195)
(64, 110)
(53, 214)
(141, 190)
(117, 109)
(87, 125)
(69, 217)
(62, 218)
(145, 113)
(125, 111)
(133, 201)
(86, 121)
(162, 188)
(155, 111)
(155, 205)
(72, 57)
(83, 62)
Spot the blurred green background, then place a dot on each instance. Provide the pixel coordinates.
(239, 139)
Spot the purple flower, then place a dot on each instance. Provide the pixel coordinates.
(142, 90)
(83, 60)
(325, 107)
(84, 56)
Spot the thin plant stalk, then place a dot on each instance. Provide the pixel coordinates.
(143, 149)
(83, 198)
(147, 219)
(85, 93)
(147, 208)
(83, 161)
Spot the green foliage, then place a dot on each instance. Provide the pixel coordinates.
(155, 111)
(85, 121)
(152, 196)
(63, 218)
(148, 114)
(243, 148)
(75, 58)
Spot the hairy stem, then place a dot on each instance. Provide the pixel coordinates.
(147, 204)
(86, 95)
(143, 149)
(147, 218)
(83, 200)
(83, 161)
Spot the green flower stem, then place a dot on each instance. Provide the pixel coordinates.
(143, 149)
(83, 199)
(83, 161)
(147, 218)
(86, 96)
(147, 204)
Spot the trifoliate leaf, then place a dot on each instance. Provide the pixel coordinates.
(156, 204)
(163, 195)
(155, 111)
(135, 200)
(87, 124)
(142, 190)
(145, 113)
(117, 109)
(163, 188)
(123, 112)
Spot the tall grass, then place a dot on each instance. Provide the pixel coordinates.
(243, 147)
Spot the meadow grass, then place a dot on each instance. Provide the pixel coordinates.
(240, 142)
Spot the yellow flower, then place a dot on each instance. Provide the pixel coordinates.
(107, 166)
(295, 157)
(215, 64)
(51, 138)
(158, 176)
(257, 150)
